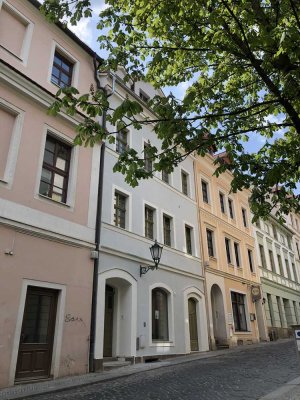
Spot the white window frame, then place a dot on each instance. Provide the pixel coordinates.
(14, 144)
(128, 216)
(73, 170)
(28, 34)
(184, 171)
(173, 236)
(193, 242)
(76, 64)
(171, 341)
(155, 227)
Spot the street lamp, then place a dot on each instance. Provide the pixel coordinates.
(155, 251)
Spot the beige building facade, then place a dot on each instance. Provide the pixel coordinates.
(233, 290)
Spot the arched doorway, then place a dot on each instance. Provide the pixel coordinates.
(108, 321)
(218, 315)
(192, 307)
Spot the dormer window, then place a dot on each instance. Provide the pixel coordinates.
(144, 96)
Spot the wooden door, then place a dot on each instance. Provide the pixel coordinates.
(193, 324)
(36, 341)
(108, 321)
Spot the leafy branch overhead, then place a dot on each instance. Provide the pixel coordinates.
(242, 59)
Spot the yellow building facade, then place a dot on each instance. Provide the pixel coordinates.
(233, 290)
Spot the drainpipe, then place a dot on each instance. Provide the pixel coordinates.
(92, 364)
(97, 234)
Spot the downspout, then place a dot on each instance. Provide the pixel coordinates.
(92, 366)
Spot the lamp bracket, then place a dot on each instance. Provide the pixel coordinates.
(146, 268)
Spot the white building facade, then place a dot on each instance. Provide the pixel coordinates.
(162, 312)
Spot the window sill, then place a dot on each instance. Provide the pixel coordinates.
(243, 332)
(162, 343)
(41, 196)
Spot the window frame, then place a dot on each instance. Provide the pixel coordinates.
(65, 53)
(144, 96)
(222, 202)
(210, 243)
(125, 211)
(146, 221)
(245, 217)
(189, 241)
(165, 177)
(15, 140)
(24, 53)
(155, 327)
(230, 208)
(205, 192)
(235, 311)
(167, 230)
(262, 256)
(55, 170)
(148, 163)
(122, 145)
(251, 260)
(228, 250)
(185, 186)
(237, 254)
(69, 63)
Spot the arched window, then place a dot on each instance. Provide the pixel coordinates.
(160, 330)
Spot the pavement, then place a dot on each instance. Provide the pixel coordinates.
(289, 391)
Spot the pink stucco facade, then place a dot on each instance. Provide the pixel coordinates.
(45, 244)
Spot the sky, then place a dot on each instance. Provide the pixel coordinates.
(87, 31)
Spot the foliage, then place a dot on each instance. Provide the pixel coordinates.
(242, 58)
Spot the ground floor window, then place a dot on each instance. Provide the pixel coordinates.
(239, 311)
(160, 330)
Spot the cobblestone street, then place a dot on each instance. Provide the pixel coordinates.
(248, 374)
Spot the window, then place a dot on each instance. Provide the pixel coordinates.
(279, 310)
(250, 259)
(120, 210)
(160, 329)
(147, 159)
(271, 311)
(272, 261)
(295, 273)
(121, 141)
(289, 241)
(258, 224)
(165, 176)
(62, 71)
(230, 206)
(274, 231)
(55, 171)
(188, 239)
(210, 242)
(204, 186)
(298, 251)
(228, 250)
(144, 96)
(288, 269)
(222, 204)
(149, 222)
(167, 230)
(239, 312)
(8, 120)
(262, 256)
(237, 254)
(244, 215)
(280, 265)
(184, 182)
(15, 32)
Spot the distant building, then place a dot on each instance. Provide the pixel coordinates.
(279, 270)
(232, 279)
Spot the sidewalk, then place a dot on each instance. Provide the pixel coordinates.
(291, 389)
